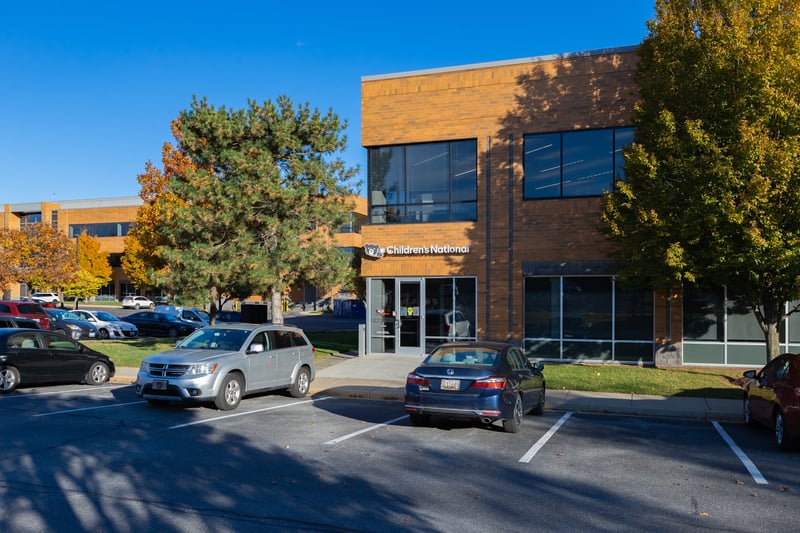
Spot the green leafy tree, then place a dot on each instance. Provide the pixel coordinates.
(712, 181)
(258, 211)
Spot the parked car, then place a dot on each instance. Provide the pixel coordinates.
(49, 297)
(108, 326)
(485, 381)
(137, 302)
(229, 316)
(26, 309)
(772, 399)
(189, 314)
(160, 324)
(223, 363)
(446, 323)
(71, 325)
(11, 321)
(30, 356)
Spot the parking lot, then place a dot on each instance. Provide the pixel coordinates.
(84, 458)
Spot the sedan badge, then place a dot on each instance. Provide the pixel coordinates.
(450, 372)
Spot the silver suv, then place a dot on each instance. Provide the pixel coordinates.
(223, 363)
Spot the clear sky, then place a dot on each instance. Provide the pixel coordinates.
(89, 88)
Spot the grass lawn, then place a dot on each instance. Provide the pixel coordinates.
(691, 381)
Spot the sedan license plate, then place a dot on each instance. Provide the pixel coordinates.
(160, 385)
(451, 384)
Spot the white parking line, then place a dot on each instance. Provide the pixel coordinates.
(546, 437)
(87, 408)
(748, 464)
(21, 395)
(365, 430)
(207, 420)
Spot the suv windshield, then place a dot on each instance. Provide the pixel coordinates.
(215, 339)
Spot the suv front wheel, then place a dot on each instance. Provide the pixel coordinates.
(230, 393)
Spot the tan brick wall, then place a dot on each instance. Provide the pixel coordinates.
(497, 105)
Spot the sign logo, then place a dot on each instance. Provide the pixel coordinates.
(374, 250)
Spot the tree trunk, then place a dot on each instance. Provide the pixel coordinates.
(277, 309)
(772, 336)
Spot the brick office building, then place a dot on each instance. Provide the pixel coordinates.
(484, 190)
(108, 219)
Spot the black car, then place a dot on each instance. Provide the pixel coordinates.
(31, 356)
(160, 324)
(485, 381)
(11, 321)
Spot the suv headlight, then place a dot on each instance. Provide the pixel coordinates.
(201, 369)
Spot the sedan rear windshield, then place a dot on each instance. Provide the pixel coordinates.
(463, 357)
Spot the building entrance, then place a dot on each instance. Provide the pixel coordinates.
(410, 316)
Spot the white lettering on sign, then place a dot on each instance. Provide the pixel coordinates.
(377, 251)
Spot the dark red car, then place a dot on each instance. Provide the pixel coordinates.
(772, 398)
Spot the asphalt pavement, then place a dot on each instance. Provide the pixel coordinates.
(383, 378)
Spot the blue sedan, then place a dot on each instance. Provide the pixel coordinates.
(485, 381)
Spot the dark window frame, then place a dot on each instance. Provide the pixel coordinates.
(403, 197)
(615, 163)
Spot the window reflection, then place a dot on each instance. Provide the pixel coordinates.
(576, 163)
(428, 182)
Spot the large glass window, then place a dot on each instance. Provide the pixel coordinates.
(587, 317)
(428, 182)
(575, 163)
(450, 311)
(106, 229)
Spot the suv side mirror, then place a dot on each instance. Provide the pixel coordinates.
(256, 347)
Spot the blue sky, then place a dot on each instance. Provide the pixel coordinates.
(89, 89)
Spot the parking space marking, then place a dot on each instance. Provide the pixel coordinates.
(543, 440)
(87, 408)
(748, 464)
(233, 415)
(365, 430)
(49, 393)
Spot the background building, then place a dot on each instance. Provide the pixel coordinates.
(109, 219)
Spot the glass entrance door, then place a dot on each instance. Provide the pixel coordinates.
(396, 321)
(409, 323)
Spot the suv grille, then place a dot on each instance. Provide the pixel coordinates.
(158, 370)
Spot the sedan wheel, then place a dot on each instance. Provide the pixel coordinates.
(230, 393)
(98, 374)
(746, 414)
(172, 333)
(512, 424)
(781, 438)
(103, 334)
(9, 379)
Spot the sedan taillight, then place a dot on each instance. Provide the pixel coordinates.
(415, 379)
(490, 383)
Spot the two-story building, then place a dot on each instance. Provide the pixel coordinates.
(484, 189)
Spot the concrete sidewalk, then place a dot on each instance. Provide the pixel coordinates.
(383, 378)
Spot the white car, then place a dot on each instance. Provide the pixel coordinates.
(137, 302)
(108, 325)
(49, 297)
